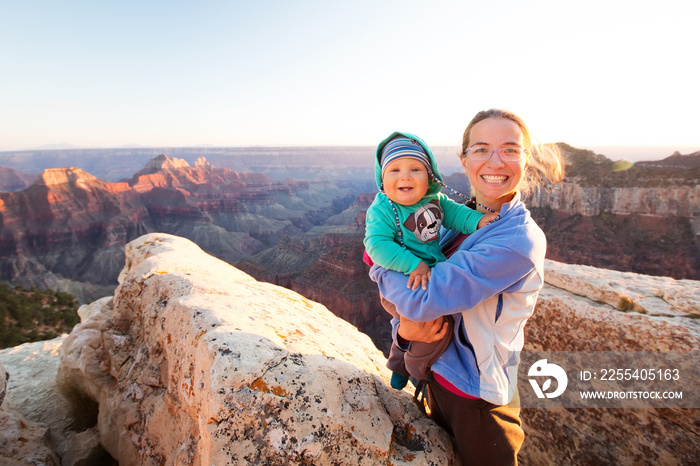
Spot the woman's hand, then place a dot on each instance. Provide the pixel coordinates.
(426, 332)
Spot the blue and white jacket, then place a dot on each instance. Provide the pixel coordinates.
(490, 287)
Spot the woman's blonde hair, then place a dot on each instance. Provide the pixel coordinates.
(543, 162)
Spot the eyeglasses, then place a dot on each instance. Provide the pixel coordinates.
(507, 154)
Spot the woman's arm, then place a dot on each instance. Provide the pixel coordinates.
(472, 275)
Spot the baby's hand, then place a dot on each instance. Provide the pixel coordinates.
(419, 276)
(486, 219)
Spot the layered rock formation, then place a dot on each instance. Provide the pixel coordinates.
(573, 198)
(642, 217)
(24, 440)
(67, 231)
(194, 362)
(595, 187)
(595, 184)
(13, 180)
(660, 246)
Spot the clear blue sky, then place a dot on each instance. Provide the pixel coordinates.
(347, 72)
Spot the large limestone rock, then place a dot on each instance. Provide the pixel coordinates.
(583, 308)
(32, 385)
(54, 423)
(3, 383)
(657, 296)
(24, 440)
(194, 362)
(587, 309)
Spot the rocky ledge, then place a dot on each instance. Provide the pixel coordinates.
(195, 362)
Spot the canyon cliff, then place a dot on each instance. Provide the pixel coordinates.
(67, 230)
(13, 180)
(642, 217)
(604, 214)
(194, 362)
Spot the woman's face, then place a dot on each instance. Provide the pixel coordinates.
(495, 181)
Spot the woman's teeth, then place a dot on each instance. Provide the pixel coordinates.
(494, 178)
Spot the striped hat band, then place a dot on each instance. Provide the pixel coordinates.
(403, 147)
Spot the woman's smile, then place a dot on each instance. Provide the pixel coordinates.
(494, 179)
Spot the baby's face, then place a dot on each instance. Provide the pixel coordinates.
(405, 181)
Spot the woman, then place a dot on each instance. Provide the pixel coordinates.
(489, 286)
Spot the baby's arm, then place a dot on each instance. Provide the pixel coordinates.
(486, 219)
(419, 277)
(459, 216)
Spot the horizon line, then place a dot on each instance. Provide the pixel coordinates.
(56, 147)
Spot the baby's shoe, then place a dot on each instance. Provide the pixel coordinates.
(398, 381)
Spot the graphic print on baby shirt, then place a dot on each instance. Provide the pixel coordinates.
(425, 222)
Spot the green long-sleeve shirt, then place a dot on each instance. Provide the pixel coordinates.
(382, 237)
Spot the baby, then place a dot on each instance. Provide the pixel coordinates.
(403, 229)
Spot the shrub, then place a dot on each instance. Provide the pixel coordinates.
(28, 315)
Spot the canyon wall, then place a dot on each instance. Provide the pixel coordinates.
(67, 231)
(573, 198)
(642, 218)
(596, 185)
(13, 180)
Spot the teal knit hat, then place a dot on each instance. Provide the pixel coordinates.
(404, 147)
